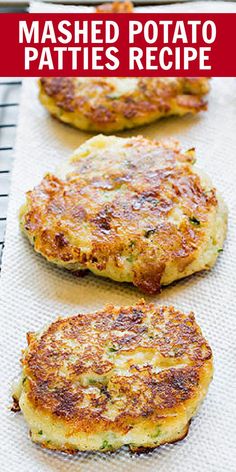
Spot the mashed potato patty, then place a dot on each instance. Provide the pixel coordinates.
(130, 376)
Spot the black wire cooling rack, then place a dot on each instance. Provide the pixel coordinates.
(9, 101)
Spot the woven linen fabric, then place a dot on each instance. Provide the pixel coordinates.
(34, 293)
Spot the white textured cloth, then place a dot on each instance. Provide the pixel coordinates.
(33, 292)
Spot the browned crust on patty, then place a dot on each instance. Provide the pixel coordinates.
(115, 7)
(92, 343)
(94, 101)
(15, 405)
(125, 213)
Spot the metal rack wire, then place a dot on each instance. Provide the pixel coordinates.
(9, 100)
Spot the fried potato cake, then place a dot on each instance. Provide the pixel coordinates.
(115, 7)
(121, 376)
(133, 210)
(111, 104)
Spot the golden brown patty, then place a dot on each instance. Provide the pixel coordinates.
(115, 7)
(133, 210)
(110, 104)
(121, 376)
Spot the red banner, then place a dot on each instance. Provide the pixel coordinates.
(136, 44)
